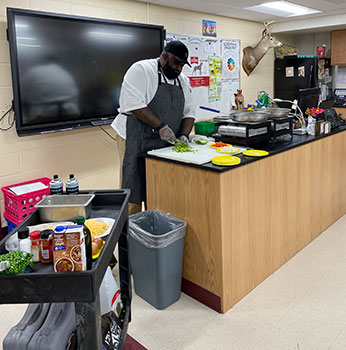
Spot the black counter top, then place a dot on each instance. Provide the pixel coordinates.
(281, 145)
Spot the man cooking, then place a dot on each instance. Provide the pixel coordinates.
(156, 108)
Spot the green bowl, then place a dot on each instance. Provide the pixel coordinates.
(205, 128)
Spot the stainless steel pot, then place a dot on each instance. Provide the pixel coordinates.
(278, 112)
(255, 116)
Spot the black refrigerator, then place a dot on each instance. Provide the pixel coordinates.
(300, 72)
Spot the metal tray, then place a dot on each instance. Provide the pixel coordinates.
(65, 207)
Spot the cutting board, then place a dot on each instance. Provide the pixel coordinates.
(203, 154)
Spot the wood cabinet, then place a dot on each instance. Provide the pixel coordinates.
(243, 224)
(338, 54)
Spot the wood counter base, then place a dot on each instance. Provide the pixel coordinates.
(243, 224)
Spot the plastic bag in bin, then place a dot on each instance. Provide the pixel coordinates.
(155, 229)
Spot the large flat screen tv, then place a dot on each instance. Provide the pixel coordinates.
(67, 71)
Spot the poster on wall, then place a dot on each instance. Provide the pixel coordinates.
(215, 80)
(230, 60)
(208, 28)
(212, 85)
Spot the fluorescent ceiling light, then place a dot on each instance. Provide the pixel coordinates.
(282, 8)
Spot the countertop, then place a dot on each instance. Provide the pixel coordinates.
(281, 145)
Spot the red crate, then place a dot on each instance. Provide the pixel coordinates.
(18, 207)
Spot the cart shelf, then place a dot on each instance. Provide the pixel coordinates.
(44, 285)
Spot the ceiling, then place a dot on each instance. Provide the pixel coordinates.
(332, 15)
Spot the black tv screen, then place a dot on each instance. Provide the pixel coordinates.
(67, 71)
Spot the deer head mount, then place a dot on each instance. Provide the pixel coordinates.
(252, 55)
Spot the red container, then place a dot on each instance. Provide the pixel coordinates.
(18, 207)
(321, 51)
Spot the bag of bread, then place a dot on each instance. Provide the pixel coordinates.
(69, 248)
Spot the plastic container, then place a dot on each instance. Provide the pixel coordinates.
(10, 225)
(205, 128)
(18, 207)
(156, 245)
(24, 240)
(46, 253)
(35, 245)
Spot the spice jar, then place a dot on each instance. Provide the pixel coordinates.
(46, 254)
(35, 245)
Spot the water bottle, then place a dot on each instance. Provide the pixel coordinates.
(72, 186)
(56, 185)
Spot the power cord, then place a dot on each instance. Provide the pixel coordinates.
(107, 133)
(10, 122)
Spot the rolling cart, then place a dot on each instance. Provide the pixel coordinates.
(46, 286)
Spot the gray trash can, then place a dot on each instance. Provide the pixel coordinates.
(156, 245)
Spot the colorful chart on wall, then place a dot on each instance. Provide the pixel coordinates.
(214, 73)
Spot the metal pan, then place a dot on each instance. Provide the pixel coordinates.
(255, 116)
(278, 112)
(251, 116)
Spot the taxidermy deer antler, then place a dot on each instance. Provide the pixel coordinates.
(252, 55)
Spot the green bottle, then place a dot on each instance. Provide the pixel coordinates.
(87, 238)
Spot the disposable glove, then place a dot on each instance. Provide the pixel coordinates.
(167, 134)
(184, 139)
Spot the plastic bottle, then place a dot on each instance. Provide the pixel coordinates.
(87, 237)
(72, 186)
(35, 245)
(56, 185)
(24, 240)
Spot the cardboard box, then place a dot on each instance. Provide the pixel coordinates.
(69, 248)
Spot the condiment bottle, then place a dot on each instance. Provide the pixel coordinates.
(46, 253)
(56, 185)
(35, 245)
(72, 186)
(87, 238)
(24, 240)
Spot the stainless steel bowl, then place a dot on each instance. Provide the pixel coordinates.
(278, 112)
(65, 207)
(255, 116)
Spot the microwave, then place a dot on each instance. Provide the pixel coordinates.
(340, 97)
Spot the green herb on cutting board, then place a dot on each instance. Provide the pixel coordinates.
(181, 147)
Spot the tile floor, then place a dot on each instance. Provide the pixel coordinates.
(301, 306)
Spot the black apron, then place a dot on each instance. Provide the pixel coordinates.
(168, 105)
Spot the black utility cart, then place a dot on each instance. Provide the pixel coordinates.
(46, 286)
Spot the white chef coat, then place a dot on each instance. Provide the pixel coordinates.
(139, 88)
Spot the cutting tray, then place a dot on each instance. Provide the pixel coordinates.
(203, 154)
(44, 285)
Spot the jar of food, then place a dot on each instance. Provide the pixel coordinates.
(46, 253)
(35, 245)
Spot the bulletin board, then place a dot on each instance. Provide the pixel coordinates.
(215, 71)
